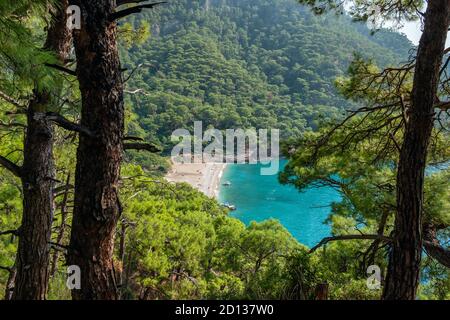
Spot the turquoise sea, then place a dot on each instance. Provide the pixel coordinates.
(258, 198)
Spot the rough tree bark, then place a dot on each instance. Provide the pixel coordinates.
(321, 291)
(405, 257)
(97, 207)
(37, 176)
(432, 246)
(37, 180)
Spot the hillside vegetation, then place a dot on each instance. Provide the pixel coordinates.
(240, 64)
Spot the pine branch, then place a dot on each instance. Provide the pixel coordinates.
(22, 110)
(9, 269)
(67, 124)
(132, 73)
(136, 9)
(350, 237)
(8, 232)
(131, 138)
(61, 68)
(122, 2)
(58, 246)
(432, 246)
(11, 166)
(141, 146)
(444, 106)
(11, 100)
(12, 124)
(63, 188)
(437, 252)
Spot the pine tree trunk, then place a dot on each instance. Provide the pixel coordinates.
(37, 180)
(97, 207)
(321, 291)
(404, 261)
(38, 176)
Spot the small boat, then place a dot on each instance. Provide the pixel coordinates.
(229, 206)
(226, 184)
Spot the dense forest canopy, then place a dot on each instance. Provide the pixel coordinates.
(230, 64)
(240, 64)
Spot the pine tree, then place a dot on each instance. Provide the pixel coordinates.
(97, 205)
(34, 65)
(417, 109)
(38, 175)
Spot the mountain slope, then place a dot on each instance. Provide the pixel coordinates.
(231, 64)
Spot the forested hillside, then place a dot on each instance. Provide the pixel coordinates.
(82, 184)
(239, 64)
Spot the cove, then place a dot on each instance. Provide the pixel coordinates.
(258, 198)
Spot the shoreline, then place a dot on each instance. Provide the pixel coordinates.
(205, 177)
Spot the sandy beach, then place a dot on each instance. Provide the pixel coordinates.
(205, 177)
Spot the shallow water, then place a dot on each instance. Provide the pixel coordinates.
(258, 198)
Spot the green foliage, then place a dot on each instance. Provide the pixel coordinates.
(366, 179)
(378, 11)
(58, 288)
(435, 281)
(10, 206)
(268, 64)
(130, 36)
(181, 244)
(231, 64)
(22, 59)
